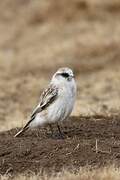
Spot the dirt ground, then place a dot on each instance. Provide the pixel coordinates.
(36, 38)
(37, 150)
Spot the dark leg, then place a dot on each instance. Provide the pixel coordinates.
(37, 132)
(51, 129)
(60, 132)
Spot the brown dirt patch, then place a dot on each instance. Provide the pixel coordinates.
(32, 153)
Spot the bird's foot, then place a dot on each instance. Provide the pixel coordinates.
(58, 136)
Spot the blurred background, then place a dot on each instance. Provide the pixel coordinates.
(37, 37)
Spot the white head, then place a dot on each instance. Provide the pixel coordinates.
(63, 75)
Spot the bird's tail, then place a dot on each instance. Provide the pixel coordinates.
(24, 128)
(20, 132)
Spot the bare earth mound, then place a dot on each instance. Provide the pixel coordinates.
(31, 153)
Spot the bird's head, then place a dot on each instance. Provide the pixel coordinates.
(63, 75)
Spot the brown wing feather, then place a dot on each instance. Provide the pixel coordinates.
(48, 96)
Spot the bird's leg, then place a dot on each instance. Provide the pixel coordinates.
(38, 133)
(51, 129)
(60, 132)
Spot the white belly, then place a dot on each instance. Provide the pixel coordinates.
(61, 108)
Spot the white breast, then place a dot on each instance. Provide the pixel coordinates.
(62, 107)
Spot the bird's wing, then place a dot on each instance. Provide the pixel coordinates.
(48, 96)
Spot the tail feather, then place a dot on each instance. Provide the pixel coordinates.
(24, 128)
(20, 132)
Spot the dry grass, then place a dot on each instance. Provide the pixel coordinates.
(108, 173)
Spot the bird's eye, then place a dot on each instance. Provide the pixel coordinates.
(65, 75)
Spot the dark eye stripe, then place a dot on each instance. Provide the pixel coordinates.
(66, 75)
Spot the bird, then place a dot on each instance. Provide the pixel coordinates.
(56, 102)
